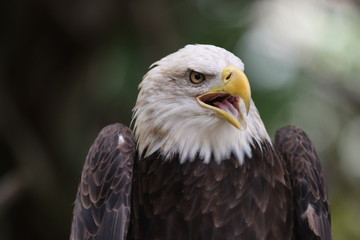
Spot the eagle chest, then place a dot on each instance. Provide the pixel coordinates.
(212, 201)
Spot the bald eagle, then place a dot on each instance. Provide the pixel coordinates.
(200, 163)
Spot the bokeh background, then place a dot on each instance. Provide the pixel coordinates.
(68, 68)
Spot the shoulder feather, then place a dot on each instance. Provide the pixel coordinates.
(102, 205)
(311, 203)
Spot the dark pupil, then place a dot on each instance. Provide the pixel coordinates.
(197, 76)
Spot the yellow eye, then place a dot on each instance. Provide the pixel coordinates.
(196, 77)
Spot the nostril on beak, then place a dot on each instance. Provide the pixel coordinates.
(228, 76)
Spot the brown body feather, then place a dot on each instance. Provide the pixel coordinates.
(267, 197)
(194, 200)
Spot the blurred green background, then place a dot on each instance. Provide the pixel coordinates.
(68, 68)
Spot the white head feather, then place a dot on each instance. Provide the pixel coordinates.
(169, 119)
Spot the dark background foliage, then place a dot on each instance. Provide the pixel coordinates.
(68, 68)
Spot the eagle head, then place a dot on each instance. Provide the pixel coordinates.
(196, 104)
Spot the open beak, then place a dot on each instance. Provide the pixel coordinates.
(225, 100)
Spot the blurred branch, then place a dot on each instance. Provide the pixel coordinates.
(350, 95)
(11, 186)
(30, 154)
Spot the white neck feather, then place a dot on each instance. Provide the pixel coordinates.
(191, 137)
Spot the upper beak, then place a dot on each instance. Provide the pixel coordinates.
(225, 99)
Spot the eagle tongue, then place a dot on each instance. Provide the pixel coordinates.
(228, 107)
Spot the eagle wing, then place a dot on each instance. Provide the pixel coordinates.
(102, 205)
(311, 203)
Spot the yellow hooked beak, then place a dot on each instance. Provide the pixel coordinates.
(225, 100)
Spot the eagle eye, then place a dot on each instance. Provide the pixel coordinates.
(196, 77)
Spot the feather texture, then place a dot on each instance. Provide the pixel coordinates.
(278, 193)
(312, 211)
(102, 206)
(213, 201)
